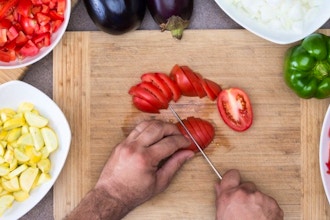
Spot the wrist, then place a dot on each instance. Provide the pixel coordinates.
(98, 204)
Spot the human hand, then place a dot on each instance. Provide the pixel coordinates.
(236, 200)
(133, 173)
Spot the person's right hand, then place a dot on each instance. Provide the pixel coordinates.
(236, 200)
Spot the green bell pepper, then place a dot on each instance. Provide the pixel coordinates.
(307, 67)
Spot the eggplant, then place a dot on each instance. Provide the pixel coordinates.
(116, 16)
(171, 15)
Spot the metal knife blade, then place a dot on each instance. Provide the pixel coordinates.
(195, 142)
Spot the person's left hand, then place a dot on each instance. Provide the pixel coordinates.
(144, 164)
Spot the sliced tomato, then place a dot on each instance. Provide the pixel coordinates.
(145, 95)
(143, 105)
(182, 81)
(156, 80)
(42, 19)
(195, 80)
(199, 133)
(235, 108)
(156, 92)
(194, 126)
(207, 127)
(21, 39)
(3, 36)
(211, 88)
(176, 93)
(200, 130)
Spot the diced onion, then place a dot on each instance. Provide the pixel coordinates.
(281, 14)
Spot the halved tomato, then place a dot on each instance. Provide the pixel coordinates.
(235, 108)
(199, 133)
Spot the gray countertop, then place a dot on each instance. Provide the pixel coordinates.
(206, 15)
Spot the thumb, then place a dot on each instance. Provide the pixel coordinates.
(166, 173)
(230, 179)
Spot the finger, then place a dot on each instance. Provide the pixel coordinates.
(166, 173)
(138, 129)
(166, 147)
(249, 187)
(150, 132)
(229, 180)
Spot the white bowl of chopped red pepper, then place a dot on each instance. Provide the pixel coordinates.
(30, 29)
(325, 154)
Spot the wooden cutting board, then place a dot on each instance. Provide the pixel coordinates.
(93, 72)
(12, 74)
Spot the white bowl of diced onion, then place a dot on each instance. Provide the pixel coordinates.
(279, 21)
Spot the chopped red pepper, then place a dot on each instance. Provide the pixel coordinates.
(27, 25)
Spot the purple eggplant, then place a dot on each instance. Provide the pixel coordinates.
(172, 15)
(116, 16)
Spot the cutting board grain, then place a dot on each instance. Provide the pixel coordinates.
(7, 75)
(93, 72)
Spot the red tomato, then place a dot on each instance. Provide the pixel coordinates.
(195, 79)
(157, 81)
(194, 126)
(154, 90)
(172, 85)
(143, 105)
(211, 88)
(235, 109)
(182, 81)
(144, 94)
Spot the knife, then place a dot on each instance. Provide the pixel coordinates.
(195, 142)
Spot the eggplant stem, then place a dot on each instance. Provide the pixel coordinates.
(176, 25)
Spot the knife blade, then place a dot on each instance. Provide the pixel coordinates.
(195, 142)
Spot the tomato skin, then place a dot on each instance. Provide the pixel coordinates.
(144, 94)
(156, 80)
(195, 80)
(176, 93)
(235, 108)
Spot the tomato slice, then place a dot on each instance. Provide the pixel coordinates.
(195, 79)
(156, 92)
(211, 88)
(24, 8)
(204, 128)
(182, 81)
(145, 95)
(143, 105)
(194, 126)
(157, 81)
(207, 127)
(235, 108)
(176, 93)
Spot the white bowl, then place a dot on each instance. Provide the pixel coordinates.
(14, 93)
(55, 39)
(276, 35)
(324, 153)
